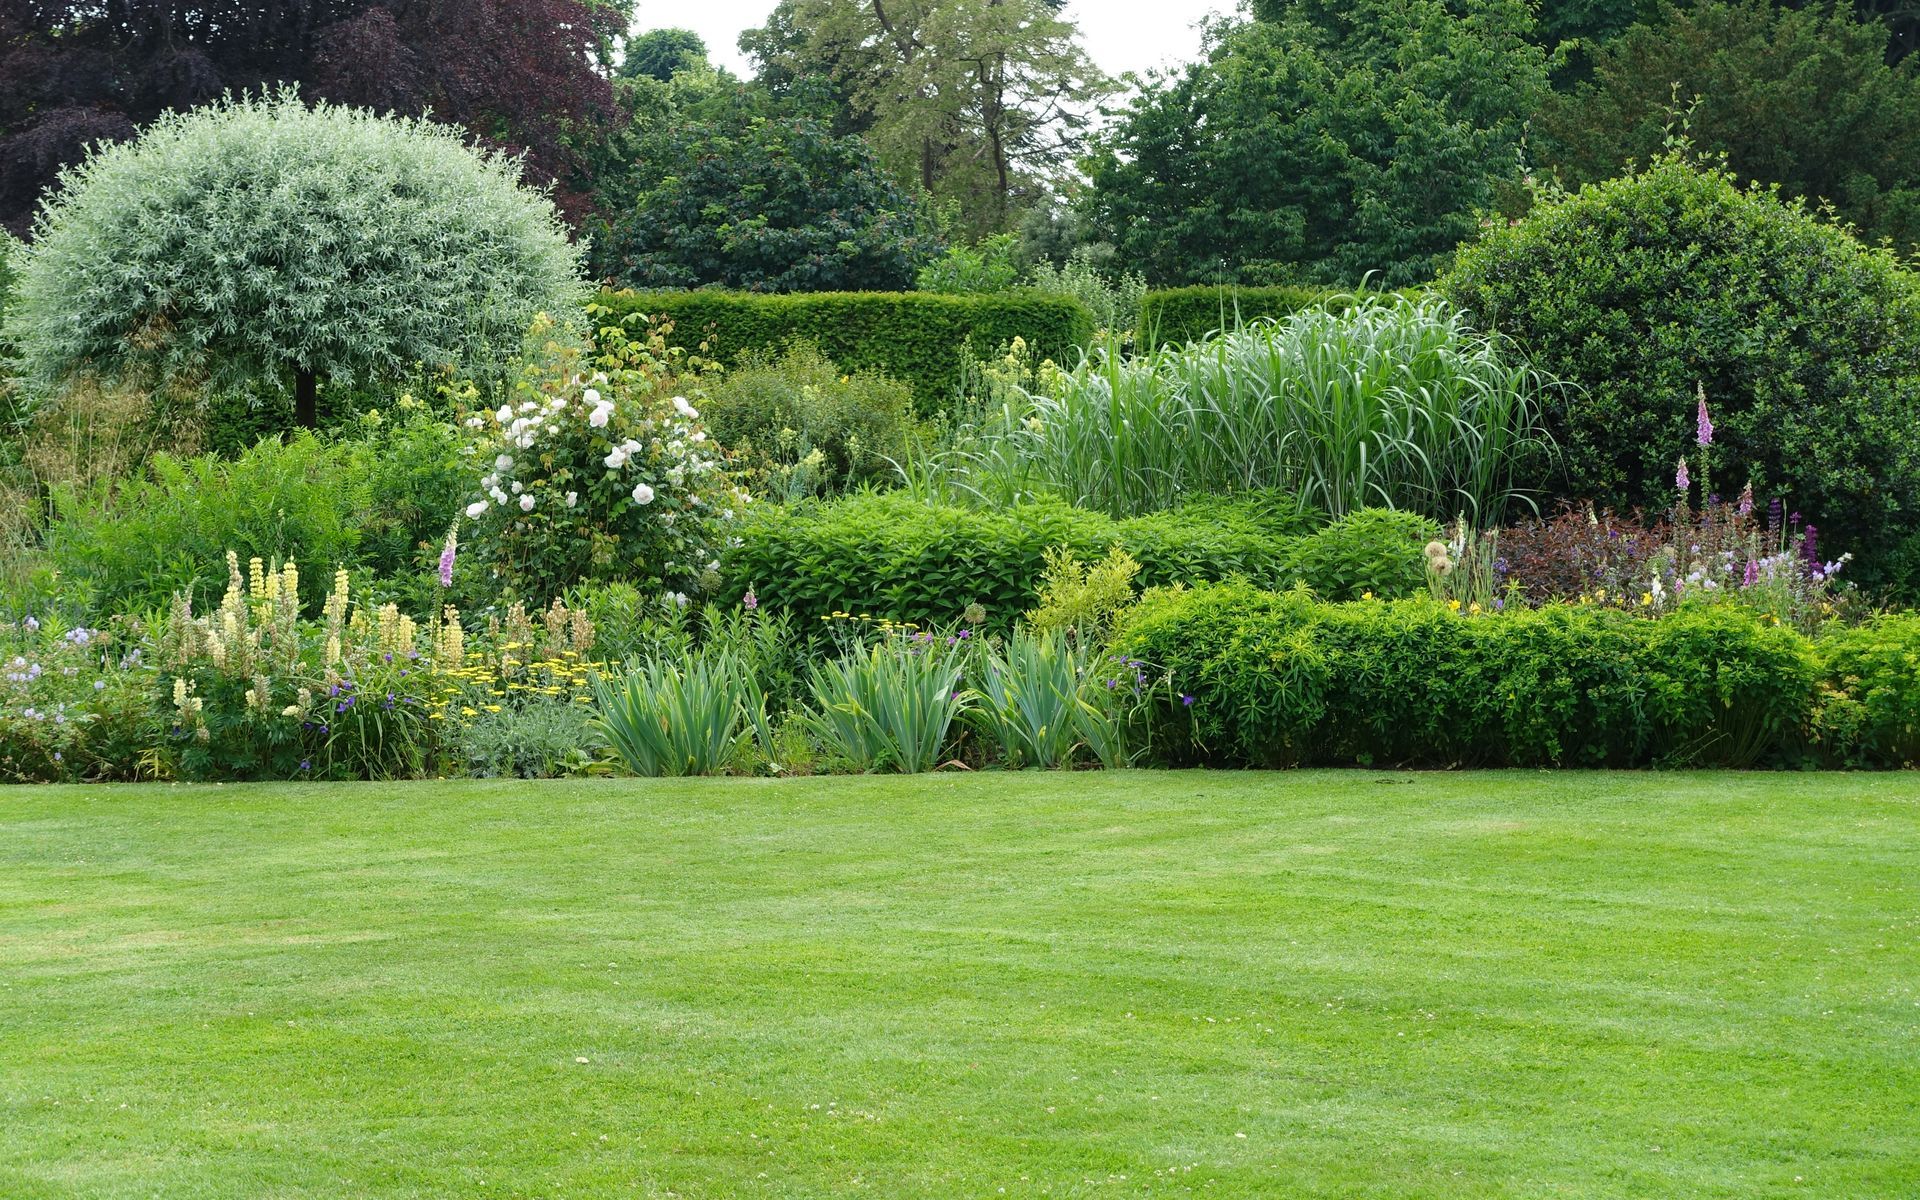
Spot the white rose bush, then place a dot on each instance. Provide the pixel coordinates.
(598, 468)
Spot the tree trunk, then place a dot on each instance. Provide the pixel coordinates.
(306, 400)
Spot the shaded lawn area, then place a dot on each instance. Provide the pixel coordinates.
(1313, 984)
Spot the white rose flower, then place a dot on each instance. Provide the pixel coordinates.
(477, 509)
(591, 396)
(686, 410)
(572, 498)
(617, 458)
(504, 415)
(503, 463)
(526, 502)
(517, 487)
(642, 494)
(598, 417)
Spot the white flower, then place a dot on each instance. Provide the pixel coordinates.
(518, 487)
(572, 497)
(591, 396)
(642, 494)
(528, 406)
(700, 436)
(686, 410)
(503, 463)
(598, 417)
(476, 509)
(504, 415)
(526, 502)
(617, 458)
(499, 497)
(679, 599)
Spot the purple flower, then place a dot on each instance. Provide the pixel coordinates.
(1186, 701)
(1774, 510)
(306, 764)
(1752, 576)
(1703, 424)
(749, 601)
(1810, 548)
(1746, 500)
(1681, 480)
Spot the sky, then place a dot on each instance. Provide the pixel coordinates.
(1121, 35)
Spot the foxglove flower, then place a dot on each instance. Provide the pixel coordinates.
(1681, 480)
(1703, 424)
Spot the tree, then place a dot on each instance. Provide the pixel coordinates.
(661, 54)
(1799, 98)
(520, 73)
(263, 244)
(979, 102)
(765, 203)
(1340, 140)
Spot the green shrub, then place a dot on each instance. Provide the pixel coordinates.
(802, 427)
(917, 337)
(989, 266)
(548, 739)
(895, 557)
(377, 501)
(1645, 288)
(260, 244)
(1870, 712)
(1176, 316)
(1281, 679)
(1113, 297)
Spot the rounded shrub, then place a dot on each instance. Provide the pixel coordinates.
(264, 246)
(1648, 289)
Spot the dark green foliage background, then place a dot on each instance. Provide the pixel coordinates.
(1173, 316)
(913, 336)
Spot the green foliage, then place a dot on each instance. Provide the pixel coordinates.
(801, 427)
(1176, 316)
(887, 707)
(1280, 679)
(1801, 97)
(1113, 297)
(1870, 706)
(1082, 599)
(542, 740)
(1393, 402)
(916, 337)
(376, 501)
(660, 54)
(1339, 140)
(891, 556)
(249, 241)
(1647, 288)
(682, 717)
(776, 204)
(990, 265)
(1046, 700)
(75, 703)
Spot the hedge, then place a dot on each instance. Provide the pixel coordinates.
(917, 337)
(1269, 679)
(1175, 316)
(892, 556)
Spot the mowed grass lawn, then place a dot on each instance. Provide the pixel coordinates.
(1314, 984)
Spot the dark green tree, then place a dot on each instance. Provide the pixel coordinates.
(764, 203)
(661, 53)
(1339, 140)
(1803, 99)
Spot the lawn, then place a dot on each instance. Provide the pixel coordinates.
(1315, 984)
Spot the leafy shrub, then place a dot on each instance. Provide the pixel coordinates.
(76, 703)
(1113, 297)
(1392, 402)
(890, 555)
(598, 471)
(266, 245)
(802, 427)
(1281, 679)
(1082, 599)
(1870, 705)
(916, 337)
(1645, 289)
(991, 265)
(1176, 316)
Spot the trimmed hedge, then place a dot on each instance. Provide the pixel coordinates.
(891, 556)
(1280, 679)
(917, 337)
(1175, 316)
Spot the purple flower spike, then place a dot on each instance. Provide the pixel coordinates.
(1681, 480)
(1703, 425)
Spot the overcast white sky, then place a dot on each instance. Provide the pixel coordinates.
(1122, 35)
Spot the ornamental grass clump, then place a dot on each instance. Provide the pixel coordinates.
(1390, 402)
(685, 717)
(890, 706)
(597, 468)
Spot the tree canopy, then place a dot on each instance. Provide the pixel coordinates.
(520, 73)
(1338, 140)
(262, 244)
